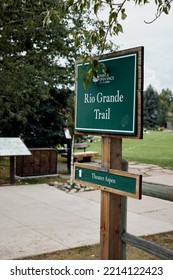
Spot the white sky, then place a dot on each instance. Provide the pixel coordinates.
(157, 39)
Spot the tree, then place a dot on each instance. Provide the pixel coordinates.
(171, 113)
(151, 108)
(166, 101)
(35, 36)
(109, 15)
(113, 12)
(36, 69)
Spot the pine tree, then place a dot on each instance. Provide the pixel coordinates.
(151, 108)
(166, 101)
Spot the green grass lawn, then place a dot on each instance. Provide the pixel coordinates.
(156, 147)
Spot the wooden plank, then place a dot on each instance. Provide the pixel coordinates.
(90, 153)
(85, 154)
(113, 206)
(82, 154)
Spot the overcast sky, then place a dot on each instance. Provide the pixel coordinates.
(157, 39)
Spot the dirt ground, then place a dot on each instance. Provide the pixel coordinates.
(93, 252)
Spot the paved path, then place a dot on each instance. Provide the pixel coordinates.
(36, 219)
(152, 173)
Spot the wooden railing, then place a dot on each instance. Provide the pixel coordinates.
(157, 191)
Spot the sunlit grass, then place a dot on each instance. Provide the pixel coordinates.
(156, 147)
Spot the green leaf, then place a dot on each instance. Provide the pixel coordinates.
(94, 38)
(96, 8)
(123, 15)
(103, 67)
(102, 32)
(86, 57)
(46, 20)
(119, 28)
(86, 81)
(70, 2)
(112, 17)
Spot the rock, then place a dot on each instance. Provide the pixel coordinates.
(73, 191)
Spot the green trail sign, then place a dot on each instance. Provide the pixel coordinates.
(111, 104)
(114, 181)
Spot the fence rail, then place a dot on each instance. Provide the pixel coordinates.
(158, 191)
(147, 246)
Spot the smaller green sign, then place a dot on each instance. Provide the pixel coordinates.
(115, 181)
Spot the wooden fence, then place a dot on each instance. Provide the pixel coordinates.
(157, 191)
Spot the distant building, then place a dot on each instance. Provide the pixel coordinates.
(169, 124)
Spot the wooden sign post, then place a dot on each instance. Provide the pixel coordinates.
(113, 206)
(111, 107)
